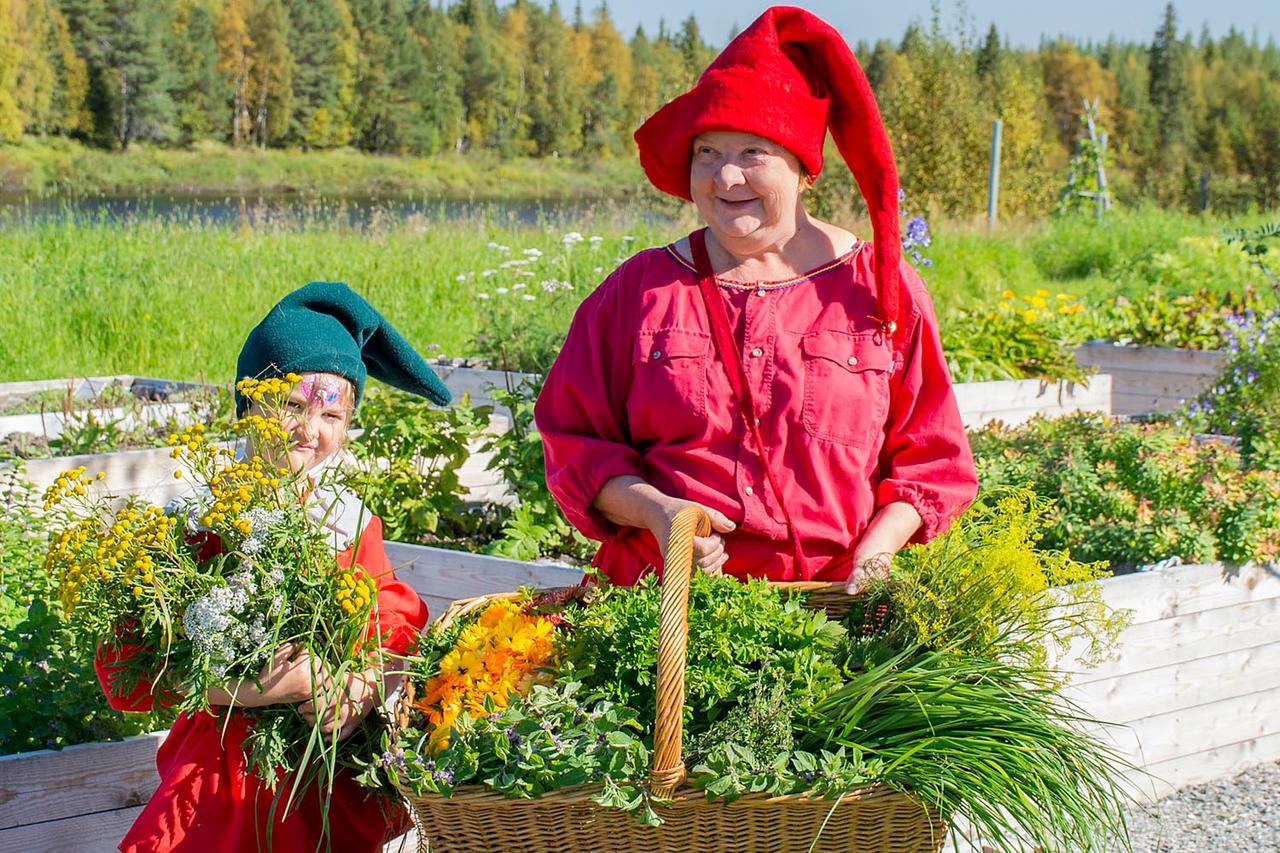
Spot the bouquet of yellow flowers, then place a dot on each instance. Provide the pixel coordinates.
(201, 596)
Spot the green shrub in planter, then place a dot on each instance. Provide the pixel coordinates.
(1245, 401)
(1135, 494)
(49, 696)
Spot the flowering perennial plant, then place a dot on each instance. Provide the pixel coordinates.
(211, 588)
(496, 657)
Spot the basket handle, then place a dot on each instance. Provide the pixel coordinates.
(668, 768)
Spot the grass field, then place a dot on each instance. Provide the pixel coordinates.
(175, 300)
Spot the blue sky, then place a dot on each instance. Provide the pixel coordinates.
(1022, 20)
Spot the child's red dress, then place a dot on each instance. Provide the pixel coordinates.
(207, 802)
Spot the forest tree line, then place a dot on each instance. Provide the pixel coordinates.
(523, 79)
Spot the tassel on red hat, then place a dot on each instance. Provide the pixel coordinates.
(788, 77)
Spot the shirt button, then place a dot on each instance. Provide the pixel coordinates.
(757, 352)
(762, 292)
(853, 359)
(757, 422)
(750, 491)
(657, 353)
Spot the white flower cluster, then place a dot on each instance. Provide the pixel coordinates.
(261, 521)
(217, 625)
(226, 624)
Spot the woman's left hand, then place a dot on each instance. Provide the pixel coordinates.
(867, 569)
(342, 710)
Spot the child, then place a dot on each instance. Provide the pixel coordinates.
(206, 801)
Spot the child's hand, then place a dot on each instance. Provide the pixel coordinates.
(286, 679)
(342, 710)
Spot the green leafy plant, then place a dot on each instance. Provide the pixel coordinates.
(1135, 494)
(41, 654)
(410, 455)
(556, 737)
(534, 527)
(1199, 320)
(1009, 341)
(1245, 400)
(737, 630)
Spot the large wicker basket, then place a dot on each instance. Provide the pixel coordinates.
(870, 820)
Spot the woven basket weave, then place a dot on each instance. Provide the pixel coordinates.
(869, 820)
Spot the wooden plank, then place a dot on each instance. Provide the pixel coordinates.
(1125, 698)
(1165, 593)
(147, 473)
(478, 383)
(52, 423)
(1163, 737)
(95, 777)
(1189, 637)
(1218, 763)
(87, 833)
(443, 574)
(1168, 359)
(82, 386)
(1015, 402)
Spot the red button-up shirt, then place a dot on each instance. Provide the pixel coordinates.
(852, 422)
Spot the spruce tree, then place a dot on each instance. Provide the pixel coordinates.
(269, 94)
(989, 54)
(1169, 88)
(440, 118)
(201, 91)
(324, 45)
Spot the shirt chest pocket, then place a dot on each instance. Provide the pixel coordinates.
(846, 386)
(668, 398)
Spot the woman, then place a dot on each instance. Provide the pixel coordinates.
(772, 368)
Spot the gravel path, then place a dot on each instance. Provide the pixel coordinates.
(1240, 815)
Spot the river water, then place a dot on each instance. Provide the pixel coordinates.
(288, 211)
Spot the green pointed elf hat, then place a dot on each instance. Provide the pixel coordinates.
(326, 327)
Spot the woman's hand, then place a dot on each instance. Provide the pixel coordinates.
(341, 710)
(632, 502)
(709, 553)
(866, 570)
(890, 529)
(288, 678)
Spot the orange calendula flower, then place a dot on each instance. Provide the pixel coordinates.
(494, 658)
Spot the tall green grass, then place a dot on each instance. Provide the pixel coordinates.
(1075, 256)
(175, 299)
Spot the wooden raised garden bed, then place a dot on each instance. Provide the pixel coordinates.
(1151, 379)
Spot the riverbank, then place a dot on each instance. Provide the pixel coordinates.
(62, 166)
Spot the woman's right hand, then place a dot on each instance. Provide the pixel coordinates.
(292, 675)
(629, 501)
(709, 552)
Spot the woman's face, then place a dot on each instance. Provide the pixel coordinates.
(315, 414)
(744, 186)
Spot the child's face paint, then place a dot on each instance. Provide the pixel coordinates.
(316, 415)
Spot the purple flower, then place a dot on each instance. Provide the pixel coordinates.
(918, 231)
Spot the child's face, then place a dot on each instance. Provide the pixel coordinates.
(316, 414)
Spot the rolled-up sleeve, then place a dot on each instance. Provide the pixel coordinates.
(401, 614)
(581, 411)
(925, 460)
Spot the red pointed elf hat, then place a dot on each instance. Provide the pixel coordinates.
(788, 77)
